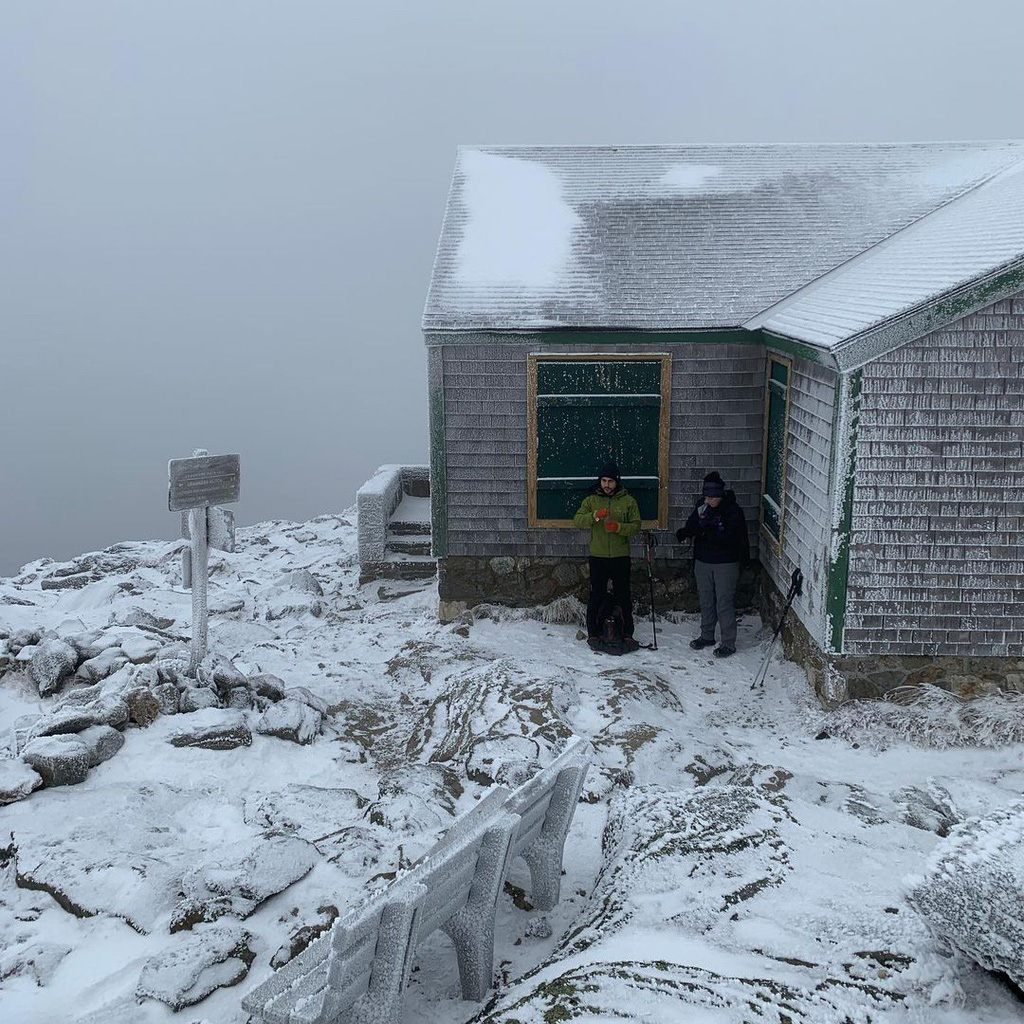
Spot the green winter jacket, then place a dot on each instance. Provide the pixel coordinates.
(622, 507)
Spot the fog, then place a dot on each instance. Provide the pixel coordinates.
(218, 219)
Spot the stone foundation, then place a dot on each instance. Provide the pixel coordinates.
(839, 677)
(467, 580)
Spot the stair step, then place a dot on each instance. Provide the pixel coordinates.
(408, 527)
(408, 568)
(411, 545)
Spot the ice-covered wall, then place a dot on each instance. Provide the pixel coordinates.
(936, 561)
(716, 422)
(805, 540)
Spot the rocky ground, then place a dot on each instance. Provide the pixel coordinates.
(738, 855)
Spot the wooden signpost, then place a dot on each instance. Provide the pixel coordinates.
(195, 484)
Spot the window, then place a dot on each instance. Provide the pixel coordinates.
(585, 410)
(776, 430)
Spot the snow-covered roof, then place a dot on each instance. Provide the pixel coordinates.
(975, 236)
(682, 237)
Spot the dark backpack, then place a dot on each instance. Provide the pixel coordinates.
(611, 626)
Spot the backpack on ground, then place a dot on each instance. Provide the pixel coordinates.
(611, 625)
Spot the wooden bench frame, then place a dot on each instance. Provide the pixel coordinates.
(357, 972)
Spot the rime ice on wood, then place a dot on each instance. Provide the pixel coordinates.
(195, 484)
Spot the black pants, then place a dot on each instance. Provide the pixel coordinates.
(601, 571)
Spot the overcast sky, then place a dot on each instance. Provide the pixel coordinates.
(218, 217)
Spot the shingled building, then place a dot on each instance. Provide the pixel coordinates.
(838, 329)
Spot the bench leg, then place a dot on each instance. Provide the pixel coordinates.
(544, 857)
(472, 927)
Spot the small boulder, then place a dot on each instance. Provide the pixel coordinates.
(141, 649)
(267, 685)
(307, 697)
(103, 665)
(52, 662)
(60, 760)
(168, 697)
(23, 638)
(225, 734)
(301, 580)
(239, 698)
(225, 676)
(37, 961)
(291, 720)
(102, 742)
(144, 707)
(17, 780)
(197, 698)
(137, 616)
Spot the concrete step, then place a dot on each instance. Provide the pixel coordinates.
(413, 544)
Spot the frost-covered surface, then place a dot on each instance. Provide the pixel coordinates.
(722, 861)
(663, 237)
(972, 236)
(972, 889)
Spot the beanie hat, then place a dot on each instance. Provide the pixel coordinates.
(714, 486)
(609, 469)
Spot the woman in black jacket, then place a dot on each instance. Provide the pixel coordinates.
(720, 548)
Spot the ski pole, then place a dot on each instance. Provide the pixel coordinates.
(796, 588)
(650, 541)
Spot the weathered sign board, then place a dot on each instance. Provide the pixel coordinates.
(203, 480)
(195, 484)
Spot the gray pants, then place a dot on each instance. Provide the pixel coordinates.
(716, 585)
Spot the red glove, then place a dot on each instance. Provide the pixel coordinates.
(600, 514)
(611, 526)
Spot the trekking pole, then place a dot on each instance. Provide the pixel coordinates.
(796, 588)
(650, 543)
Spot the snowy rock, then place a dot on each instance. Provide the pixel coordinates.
(103, 665)
(17, 780)
(266, 685)
(108, 850)
(301, 580)
(226, 734)
(140, 649)
(241, 877)
(105, 710)
(60, 760)
(239, 698)
(37, 961)
(197, 698)
(291, 720)
(23, 638)
(137, 616)
(144, 707)
(168, 697)
(225, 604)
(970, 896)
(225, 676)
(53, 661)
(307, 697)
(186, 972)
(301, 937)
(102, 742)
(308, 812)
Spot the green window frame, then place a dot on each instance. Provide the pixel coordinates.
(778, 373)
(584, 409)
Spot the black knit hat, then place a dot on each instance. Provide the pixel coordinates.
(610, 470)
(714, 485)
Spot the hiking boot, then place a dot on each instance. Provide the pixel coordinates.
(699, 643)
(629, 644)
(723, 652)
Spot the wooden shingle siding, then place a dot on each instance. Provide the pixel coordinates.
(806, 523)
(936, 557)
(716, 407)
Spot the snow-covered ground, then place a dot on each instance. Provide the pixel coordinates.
(732, 860)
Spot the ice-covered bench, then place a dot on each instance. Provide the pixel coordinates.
(357, 972)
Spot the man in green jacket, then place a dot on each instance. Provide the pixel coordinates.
(612, 516)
